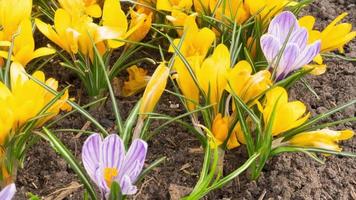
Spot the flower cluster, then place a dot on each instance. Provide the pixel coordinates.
(231, 63)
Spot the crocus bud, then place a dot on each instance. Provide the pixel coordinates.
(154, 89)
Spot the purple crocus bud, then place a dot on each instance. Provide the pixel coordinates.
(8, 192)
(285, 45)
(106, 161)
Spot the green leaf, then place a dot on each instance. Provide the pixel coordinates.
(130, 122)
(68, 156)
(115, 192)
(118, 120)
(284, 149)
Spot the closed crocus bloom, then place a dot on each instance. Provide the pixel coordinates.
(170, 5)
(235, 10)
(154, 89)
(63, 34)
(12, 13)
(244, 84)
(212, 76)
(220, 130)
(288, 115)
(107, 161)
(138, 80)
(286, 47)
(8, 192)
(325, 139)
(81, 7)
(141, 22)
(186, 82)
(24, 46)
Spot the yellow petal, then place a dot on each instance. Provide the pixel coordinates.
(48, 31)
(164, 5)
(115, 18)
(307, 22)
(138, 80)
(93, 10)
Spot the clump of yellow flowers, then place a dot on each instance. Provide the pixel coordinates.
(235, 100)
(231, 63)
(23, 102)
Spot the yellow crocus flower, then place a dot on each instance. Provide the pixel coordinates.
(115, 19)
(220, 130)
(235, 10)
(146, 6)
(333, 37)
(179, 19)
(325, 139)
(78, 8)
(212, 75)
(141, 22)
(63, 34)
(154, 89)
(197, 42)
(245, 85)
(12, 13)
(288, 115)
(26, 98)
(138, 80)
(267, 9)
(170, 5)
(76, 34)
(24, 45)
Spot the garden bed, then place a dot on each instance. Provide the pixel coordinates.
(287, 176)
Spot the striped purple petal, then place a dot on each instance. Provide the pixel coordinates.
(300, 38)
(8, 192)
(270, 47)
(127, 187)
(135, 159)
(282, 24)
(91, 155)
(307, 55)
(286, 63)
(112, 152)
(284, 30)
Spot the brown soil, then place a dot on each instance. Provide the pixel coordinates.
(288, 176)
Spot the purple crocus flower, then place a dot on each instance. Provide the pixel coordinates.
(286, 47)
(8, 192)
(106, 161)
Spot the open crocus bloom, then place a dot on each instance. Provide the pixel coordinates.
(325, 139)
(288, 115)
(106, 161)
(286, 47)
(8, 192)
